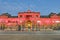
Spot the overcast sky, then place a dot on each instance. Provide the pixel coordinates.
(43, 6)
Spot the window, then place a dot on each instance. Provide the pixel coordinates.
(36, 15)
(11, 21)
(28, 15)
(20, 15)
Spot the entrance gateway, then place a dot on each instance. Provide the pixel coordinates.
(28, 25)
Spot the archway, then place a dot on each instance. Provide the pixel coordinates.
(28, 25)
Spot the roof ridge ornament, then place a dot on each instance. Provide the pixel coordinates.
(28, 10)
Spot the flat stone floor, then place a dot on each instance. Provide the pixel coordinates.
(30, 37)
(17, 35)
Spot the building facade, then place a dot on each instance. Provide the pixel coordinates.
(29, 21)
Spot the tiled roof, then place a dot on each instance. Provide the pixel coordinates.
(44, 16)
(12, 16)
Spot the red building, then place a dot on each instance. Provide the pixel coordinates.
(29, 21)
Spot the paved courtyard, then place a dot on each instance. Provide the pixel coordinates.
(17, 35)
(29, 37)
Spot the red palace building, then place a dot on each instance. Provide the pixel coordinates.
(29, 20)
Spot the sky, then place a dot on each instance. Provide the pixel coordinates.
(45, 7)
